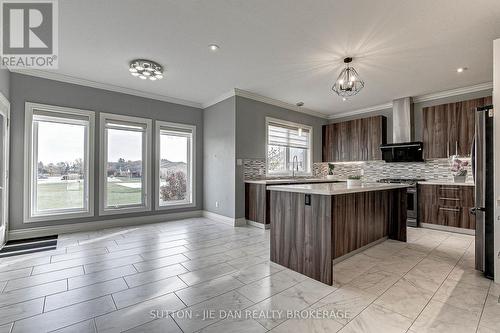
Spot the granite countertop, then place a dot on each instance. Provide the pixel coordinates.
(295, 180)
(334, 188)
(446, 182)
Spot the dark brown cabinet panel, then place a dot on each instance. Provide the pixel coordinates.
(448, 129)
(354, 140)
(446, 205)
(306, 238)
(256, 208)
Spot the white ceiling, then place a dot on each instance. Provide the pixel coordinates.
(287, 50)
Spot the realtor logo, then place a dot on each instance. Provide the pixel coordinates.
(29, 34)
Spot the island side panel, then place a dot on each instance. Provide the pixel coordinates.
(363, 218)
(358, 220)
(301, 234)
(397, 224)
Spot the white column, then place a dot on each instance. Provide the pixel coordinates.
(496, 149)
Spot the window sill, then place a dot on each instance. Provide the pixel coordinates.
(175, 206)
(60, 216)
(123, 210)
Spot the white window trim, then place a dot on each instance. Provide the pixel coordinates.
(103, 117)
(192, 128)
(309, 154)
(28, 163)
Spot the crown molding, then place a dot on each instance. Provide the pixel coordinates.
(264, 99)
(4, 100)
(246, 94)
(219, 99)
(281, 104)
(419, 99)
(361, 111)
(453, 92)
(104, 86)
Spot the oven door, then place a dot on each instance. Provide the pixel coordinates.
(411, 194)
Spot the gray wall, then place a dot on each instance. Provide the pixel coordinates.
(5, 82)
(251, 136)
(32, 89)
(219, 157)
(251, 127)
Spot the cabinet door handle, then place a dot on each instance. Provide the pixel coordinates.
(450, 209)
(454, 199)
(450, 188)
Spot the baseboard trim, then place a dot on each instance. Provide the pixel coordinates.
(258, 225)
(361, 249)
(239, 222)
(99, 225)
(449, 229)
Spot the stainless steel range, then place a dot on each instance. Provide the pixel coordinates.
(412, 199)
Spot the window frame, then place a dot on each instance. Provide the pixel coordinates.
(146, 157)
(270, 120)
(191, 164)
(29, 157)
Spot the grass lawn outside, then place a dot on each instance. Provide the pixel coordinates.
(69, 194)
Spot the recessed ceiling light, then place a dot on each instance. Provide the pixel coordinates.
(213, 47)
(344, 99)
(461, 69)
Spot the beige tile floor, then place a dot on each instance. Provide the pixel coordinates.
(165, 277)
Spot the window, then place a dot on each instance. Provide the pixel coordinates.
(58, 163)
(289, 147)
(175, 165)
(125, 152)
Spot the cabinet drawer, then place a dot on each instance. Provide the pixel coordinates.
(457, 217)
(456, 196)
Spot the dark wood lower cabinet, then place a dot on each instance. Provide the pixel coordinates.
(446, 205)
(256, 203)
(306, 238)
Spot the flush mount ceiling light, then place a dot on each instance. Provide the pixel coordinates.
(146, 69)
(461, 69)
(348, 82)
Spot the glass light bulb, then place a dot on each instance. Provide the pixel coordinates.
(146, 73)
(132, 70)
(159, 77)
(152, 78)
(142, 77)
(135, 74)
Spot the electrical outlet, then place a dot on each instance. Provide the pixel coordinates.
(216, 204)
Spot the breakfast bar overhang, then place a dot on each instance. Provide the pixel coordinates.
(314, 224)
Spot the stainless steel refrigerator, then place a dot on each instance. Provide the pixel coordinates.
(482, 168)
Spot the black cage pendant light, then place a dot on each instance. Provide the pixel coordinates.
(348, 83)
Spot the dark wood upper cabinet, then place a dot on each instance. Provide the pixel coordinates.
(448, 129)
(354, 140)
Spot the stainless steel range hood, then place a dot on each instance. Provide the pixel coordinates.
(404, 148)
(403, 129)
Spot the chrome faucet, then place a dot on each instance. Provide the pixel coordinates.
(295, 159)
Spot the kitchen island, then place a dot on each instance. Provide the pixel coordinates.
(257, 197)
(314, 224)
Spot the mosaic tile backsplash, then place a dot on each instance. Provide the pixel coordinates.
(438, 169)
